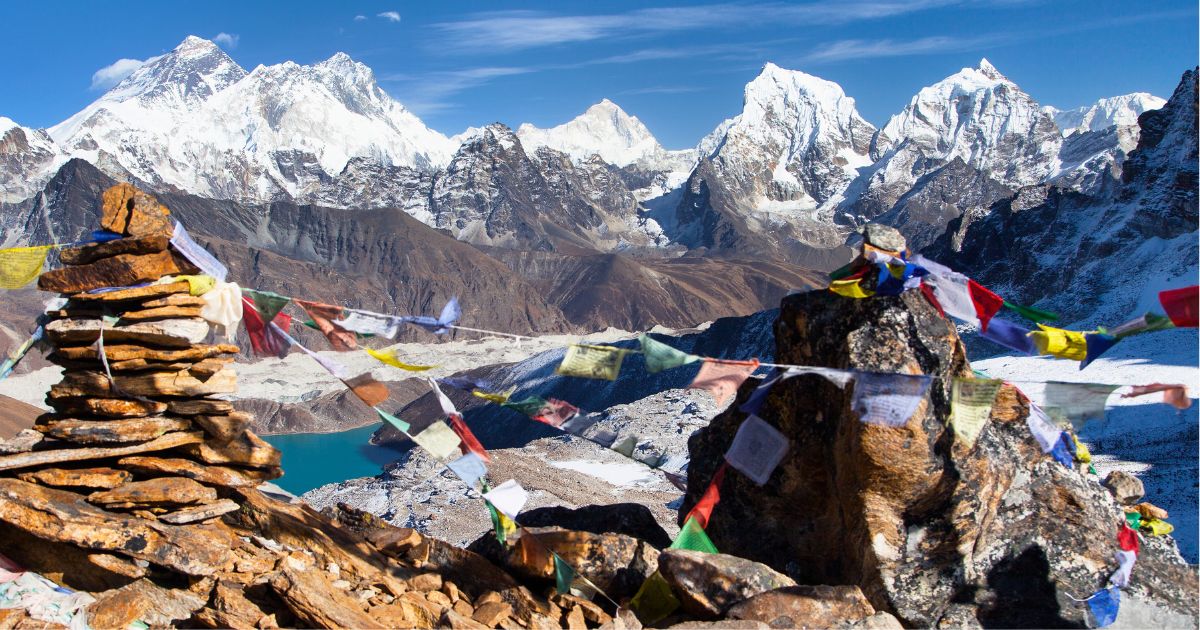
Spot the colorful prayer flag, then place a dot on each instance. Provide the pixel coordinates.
(757, 449)
(692, 537)
(266, 340)
(1065, 344)
(508, 497)
(1125, 560)
(267, 304)
(1127, 539)
(971, 406)
(564, 575)
(470, 467)
(440, 325)
(1104, 605)
(21, 265)
(368, 323)
(722, 378)
(393, 420)
(600, 362)
(759, 396)
(1182, 306)
(322, 315)
(439, 439)
(1097, 344)
(841, 378)
(223, 307)
(852, 287)
(1064, 450)
(660, 356)
(1082, 454)
(391, 357)
(368, 390)
(469, 443)
(1009, 335)
(444, 401)
(529, 406)
(1071, 404)
(206, 262)
(556, 412)
(888, 399)
(1146, 323)
(1030, 313)
(702, 511)
(1044, 432)
(1174, 395)
(654, 601)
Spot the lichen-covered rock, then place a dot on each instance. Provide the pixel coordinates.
(805, 607)
(160, 492)
(179, 334)
(110, 431)
(615, 563)
(119, 271)
(708, 584)
(912, 515)
(84, 478)
(1125, 488)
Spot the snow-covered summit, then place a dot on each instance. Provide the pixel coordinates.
(1107, 112)
(604, 129)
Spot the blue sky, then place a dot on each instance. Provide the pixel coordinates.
(679, 67)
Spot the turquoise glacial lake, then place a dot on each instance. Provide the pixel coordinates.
(311, 460)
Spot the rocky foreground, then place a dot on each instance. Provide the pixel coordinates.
(144, 491)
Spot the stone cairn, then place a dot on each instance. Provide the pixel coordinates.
(142, 488)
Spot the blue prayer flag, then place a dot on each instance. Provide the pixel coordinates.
(1009, 335)
(1104, 605)
(1097, 344)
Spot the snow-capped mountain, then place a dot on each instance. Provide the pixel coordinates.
(605, 130)
(25, 154)
(194, 120)
(1104, 113)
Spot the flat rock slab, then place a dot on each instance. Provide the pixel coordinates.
(90, 253)
(146, 601)
(247, 450)
(129, 211)
(316, 603)
(63, 516)
(86, 478)
(160, 492)
(805, 606)
(22, 442)
(199, 406)
(161, 312)
(129, 352)
(181, 383)
(171, 333)
(213, 475)
(177, 299)
(112, 431)
(154, 291)
(119, 271)
(201, 369)
(106, 407)
(708, 584)
(199, 512)
(42, 458)
(225, 428)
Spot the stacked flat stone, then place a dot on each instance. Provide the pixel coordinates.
(152, 447)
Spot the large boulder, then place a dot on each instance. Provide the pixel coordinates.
(916, 518)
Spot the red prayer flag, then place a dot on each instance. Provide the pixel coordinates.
(722, 378)
(1127, 538)
(263, 339)
(1174, 395)
(1182, 306)
(928, 293)
(469, 444)
(555, 412)
(339, 338)
(986, 303)
(712, 495)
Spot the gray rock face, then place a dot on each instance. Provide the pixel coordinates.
(923, 523)
(709, 584)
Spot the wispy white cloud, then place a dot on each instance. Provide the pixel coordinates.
(869, 49)
(391, 16)
(428, 93)
(228, 41)
(519, 30)
(360, 18)
(114, 72)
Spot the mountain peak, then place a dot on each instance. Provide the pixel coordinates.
(603, 129)
(987, 68)
(192, 43)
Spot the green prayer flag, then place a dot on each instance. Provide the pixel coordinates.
(564, 575)
(392, 420)
(529, 406)
(654, 600)
(660, 356)
(1134, 519)
(267, 304)
(692, 537)
(1092, 470)
(844, 270)
(1030, 313)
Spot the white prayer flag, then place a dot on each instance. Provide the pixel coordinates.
(954, 296)
(508, 497)
(841, 378)
(439, 439)
(368, 323)
(757, 449)
(469, 468)
(447, 405)
(888, 399)
(183, 243)
(1125, 560)
(1043, 430)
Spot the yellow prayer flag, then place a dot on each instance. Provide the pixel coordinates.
(1157, 527)
(1082, 454)
(197, 285)
(850, 288)
(21, 265)
(602, 362)
(388, 356)
(971, 406)
(499, 398)
(1066, 344)
(654, 601)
